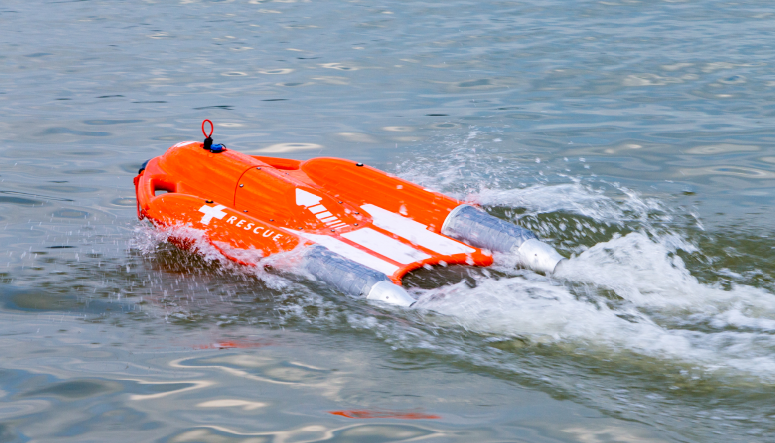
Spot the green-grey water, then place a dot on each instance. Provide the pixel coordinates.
(635, 137)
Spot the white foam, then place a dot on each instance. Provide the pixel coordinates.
(632, 293)
(664, 311)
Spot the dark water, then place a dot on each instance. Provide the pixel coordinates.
(636, 137)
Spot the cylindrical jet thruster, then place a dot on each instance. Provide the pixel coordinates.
(353, 278)
(482, 230)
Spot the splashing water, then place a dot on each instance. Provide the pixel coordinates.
(626, 311)
(630, 292)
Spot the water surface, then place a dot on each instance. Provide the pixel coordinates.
(633, 136)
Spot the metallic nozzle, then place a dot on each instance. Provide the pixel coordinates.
(390, 293)
(538, 256)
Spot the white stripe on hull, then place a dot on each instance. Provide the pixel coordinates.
(351, 252)
(384, 245)
(415, 232)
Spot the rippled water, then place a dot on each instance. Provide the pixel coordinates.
(636, 137)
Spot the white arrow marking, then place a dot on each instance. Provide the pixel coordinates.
(211, 212)
(304, 198)
(312, 203)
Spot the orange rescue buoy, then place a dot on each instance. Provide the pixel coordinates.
(363, 229)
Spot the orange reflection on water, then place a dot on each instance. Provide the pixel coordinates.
(231, 345)
(385, 414)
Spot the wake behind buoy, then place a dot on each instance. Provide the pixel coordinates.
(364, 230)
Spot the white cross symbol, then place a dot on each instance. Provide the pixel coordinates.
(211, 212)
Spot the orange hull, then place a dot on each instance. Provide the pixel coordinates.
(271, 205)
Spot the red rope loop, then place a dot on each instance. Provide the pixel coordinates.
(211, 128)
